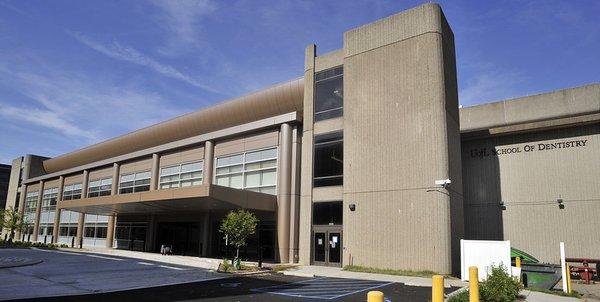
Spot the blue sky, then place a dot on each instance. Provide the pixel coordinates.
(73, 73)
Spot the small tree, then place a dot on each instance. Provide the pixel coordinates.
(238, 226)
(12, 221)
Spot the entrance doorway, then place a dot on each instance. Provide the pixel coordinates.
(327, 246)
(183, 237)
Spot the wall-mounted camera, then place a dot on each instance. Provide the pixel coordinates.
(444, 183)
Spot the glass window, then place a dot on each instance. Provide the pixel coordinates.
(327, 213)
(72, 191)
(183, 175)
(30, 206)
(100, 187)
(329, 159)
(329, 93)
(134, 182)
(254, 170)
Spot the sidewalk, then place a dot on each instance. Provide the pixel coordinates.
(541, 297)
(311, 271)
(205, 263)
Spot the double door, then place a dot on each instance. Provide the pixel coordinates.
(327, 246)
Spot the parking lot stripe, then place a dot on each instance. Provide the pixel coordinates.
(104, 257)
(145, 263)
(323, 288)
(172, 267)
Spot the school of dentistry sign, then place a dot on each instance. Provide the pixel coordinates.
(497, 151)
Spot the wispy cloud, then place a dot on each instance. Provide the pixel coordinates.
(125, 53)
(182, 20)
(74, 106)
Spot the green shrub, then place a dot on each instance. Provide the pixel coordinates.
(225, 266)
(498, 287)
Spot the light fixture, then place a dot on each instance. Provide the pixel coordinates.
(561, 205)
(502, 205)
(352, 207)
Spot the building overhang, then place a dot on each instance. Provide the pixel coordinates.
(180, 200)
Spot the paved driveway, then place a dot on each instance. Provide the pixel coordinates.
(71, 273)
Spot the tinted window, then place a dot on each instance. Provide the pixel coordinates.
(327, 213)
(329, 94)
(329, 159)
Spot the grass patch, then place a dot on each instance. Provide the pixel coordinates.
(573, 293)
(362, 269)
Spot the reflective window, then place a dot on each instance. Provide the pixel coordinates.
(329, 93)
(49, 199)
(134, 182)
(329, 159)
(30, 206)
(100, 187)
(254, 170)
(327, 213)
(72, 191)
(183, 175)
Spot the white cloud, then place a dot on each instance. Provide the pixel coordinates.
(131, 55)
(487, 86)
(75, 106)
(182, 21)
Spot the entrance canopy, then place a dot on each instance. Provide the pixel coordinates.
(190, 199)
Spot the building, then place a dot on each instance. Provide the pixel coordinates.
(4, 179)
(341, 166)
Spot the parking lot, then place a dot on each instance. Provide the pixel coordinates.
(73, 276)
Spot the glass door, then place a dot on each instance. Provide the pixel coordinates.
(327, 247)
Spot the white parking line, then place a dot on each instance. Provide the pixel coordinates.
(172, 267)
(145, 263)
(104, 257)
(323, 288)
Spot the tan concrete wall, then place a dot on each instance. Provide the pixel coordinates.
(74, 179)
(182, 156)
(530, 183)
(101, 173)
(13, 184)
(247, 143)
(51, 184)
(139, 165)
(397, 142)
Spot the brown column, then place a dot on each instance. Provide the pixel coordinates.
(209, 158)
(110, 231)
(21, 208)
(114, 189)
(61, 183)
(80, 222)
(38, 212)
(205, 234)
(154, 174)
(284, 193)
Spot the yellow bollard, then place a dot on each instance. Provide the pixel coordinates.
(375, 296)
(473, 284)
(437, 289)
(569, 279)
(518, 262)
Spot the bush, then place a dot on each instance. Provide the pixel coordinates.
(225, 266)
(25, 244)
(498, 287)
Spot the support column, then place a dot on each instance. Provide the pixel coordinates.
(209, 158)
(205, 234)
(110, 231)
(38, 212)
(284, 193)
(61, 184)
(149, 244)
(80, 222)
(114, 189)
(154, 173)
(21, 208)
(295, 197)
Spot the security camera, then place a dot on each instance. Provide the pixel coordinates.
(444, 183)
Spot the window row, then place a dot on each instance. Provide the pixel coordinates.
(254, 171)
(49, 199)
(31, 201)
(72, 191)
(134, 182)
(100, 187)
(329, 159)
(182, 175)
(95, 230)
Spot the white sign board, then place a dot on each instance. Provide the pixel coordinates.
(484, 254)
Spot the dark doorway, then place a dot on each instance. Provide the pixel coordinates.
(184, 237)
(263, 241)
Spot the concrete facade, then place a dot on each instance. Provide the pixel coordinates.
(399, 129)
